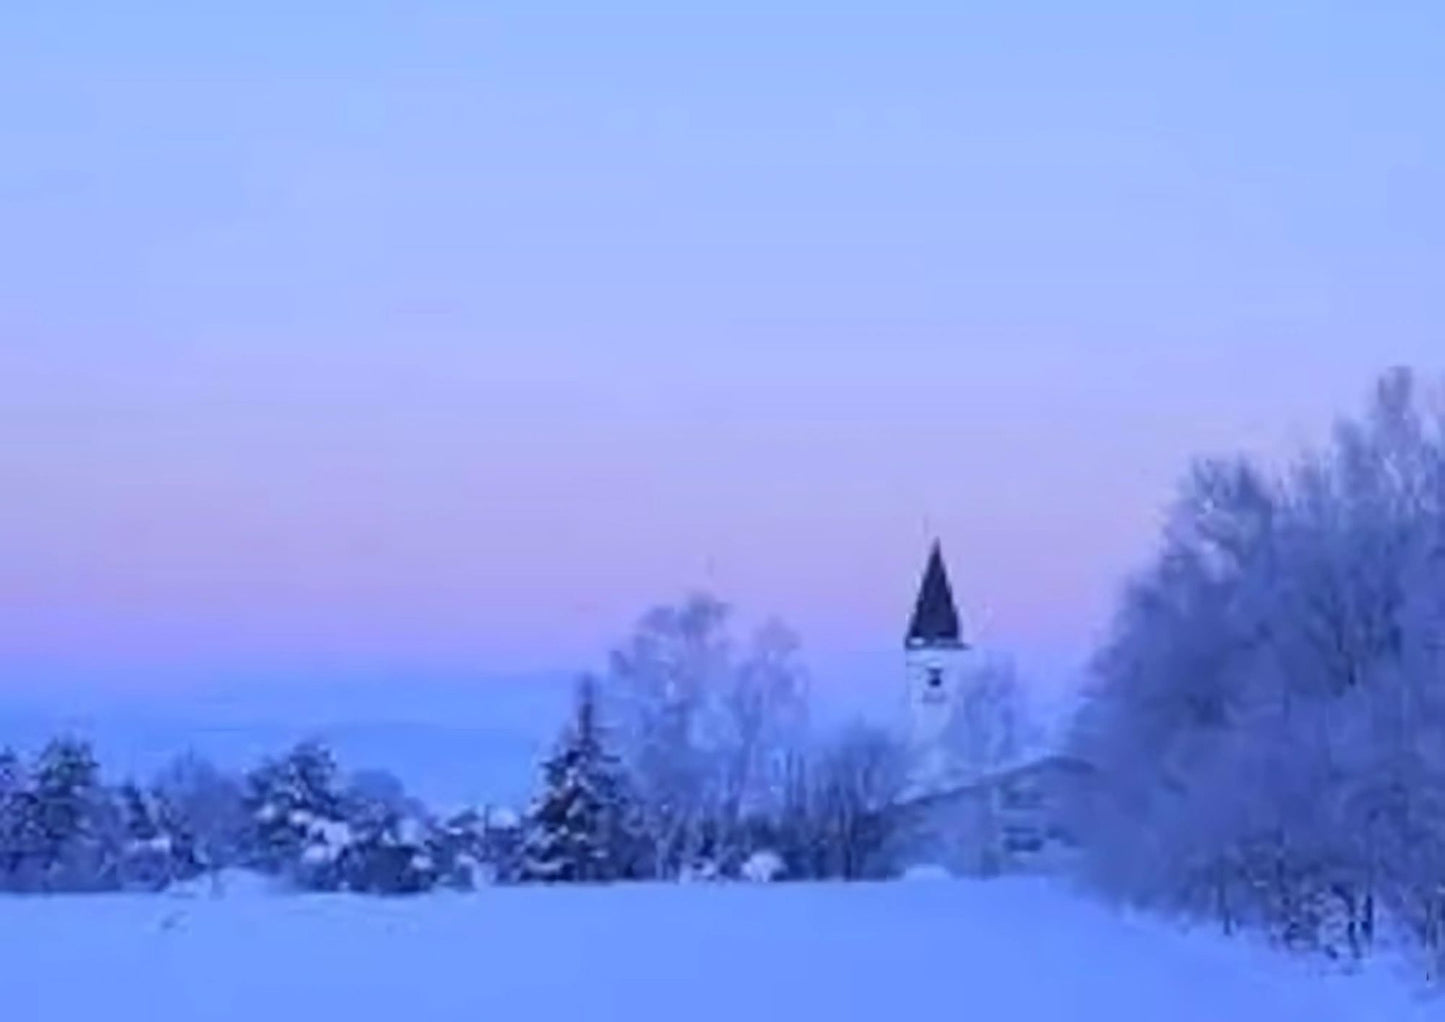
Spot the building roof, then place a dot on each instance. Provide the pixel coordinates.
(1059, 765)
(935, 616)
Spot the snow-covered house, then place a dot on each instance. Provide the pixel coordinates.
(1016, 819)
(1012, 817)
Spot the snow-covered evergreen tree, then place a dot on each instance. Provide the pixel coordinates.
(155, 848)
(12, 773)
(389, 852)
(299, 825)
(14, 809)
(59, 828)
(365, 837)
(474, 847)
(583, 825)
(67, 821)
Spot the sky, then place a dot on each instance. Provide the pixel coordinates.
(345, 338)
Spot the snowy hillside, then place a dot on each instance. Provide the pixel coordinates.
(1009, 950)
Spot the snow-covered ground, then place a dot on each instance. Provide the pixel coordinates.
(1007, 950)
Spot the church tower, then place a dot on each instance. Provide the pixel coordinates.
(936, 658)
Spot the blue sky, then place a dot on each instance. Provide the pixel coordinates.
(338, 336)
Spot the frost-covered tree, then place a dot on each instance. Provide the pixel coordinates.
(392, 844)
(501, 835)
(989, 726)
(1268, 717)
(208, 805)
(764, 722)
(661, 687)
(374, 787)
(458, 848)
(388, 853)
(155, 849)
(709, 727)
(67, 820)
(298, 816)
(477, 847)
(366, 835)
(16, 817)
(854, 784)
(12, 773)
(583, 826)
(61, 829)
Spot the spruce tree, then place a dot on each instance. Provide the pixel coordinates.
(14, 789)
(155, 849)
(63, 819)
(582, 827)
(297, 815)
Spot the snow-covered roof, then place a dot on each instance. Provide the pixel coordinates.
(1000, 774)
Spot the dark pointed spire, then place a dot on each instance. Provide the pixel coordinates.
(935, 616)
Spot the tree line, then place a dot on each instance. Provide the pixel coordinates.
(691, 756)
(63, 828)
(694, 756)
(1268, 714)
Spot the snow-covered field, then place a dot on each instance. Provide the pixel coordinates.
(1006, 950)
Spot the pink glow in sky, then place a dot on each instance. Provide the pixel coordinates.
(458, 339)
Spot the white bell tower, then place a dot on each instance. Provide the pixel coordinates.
(936, 659)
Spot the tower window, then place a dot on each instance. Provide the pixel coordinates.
(935, 677)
